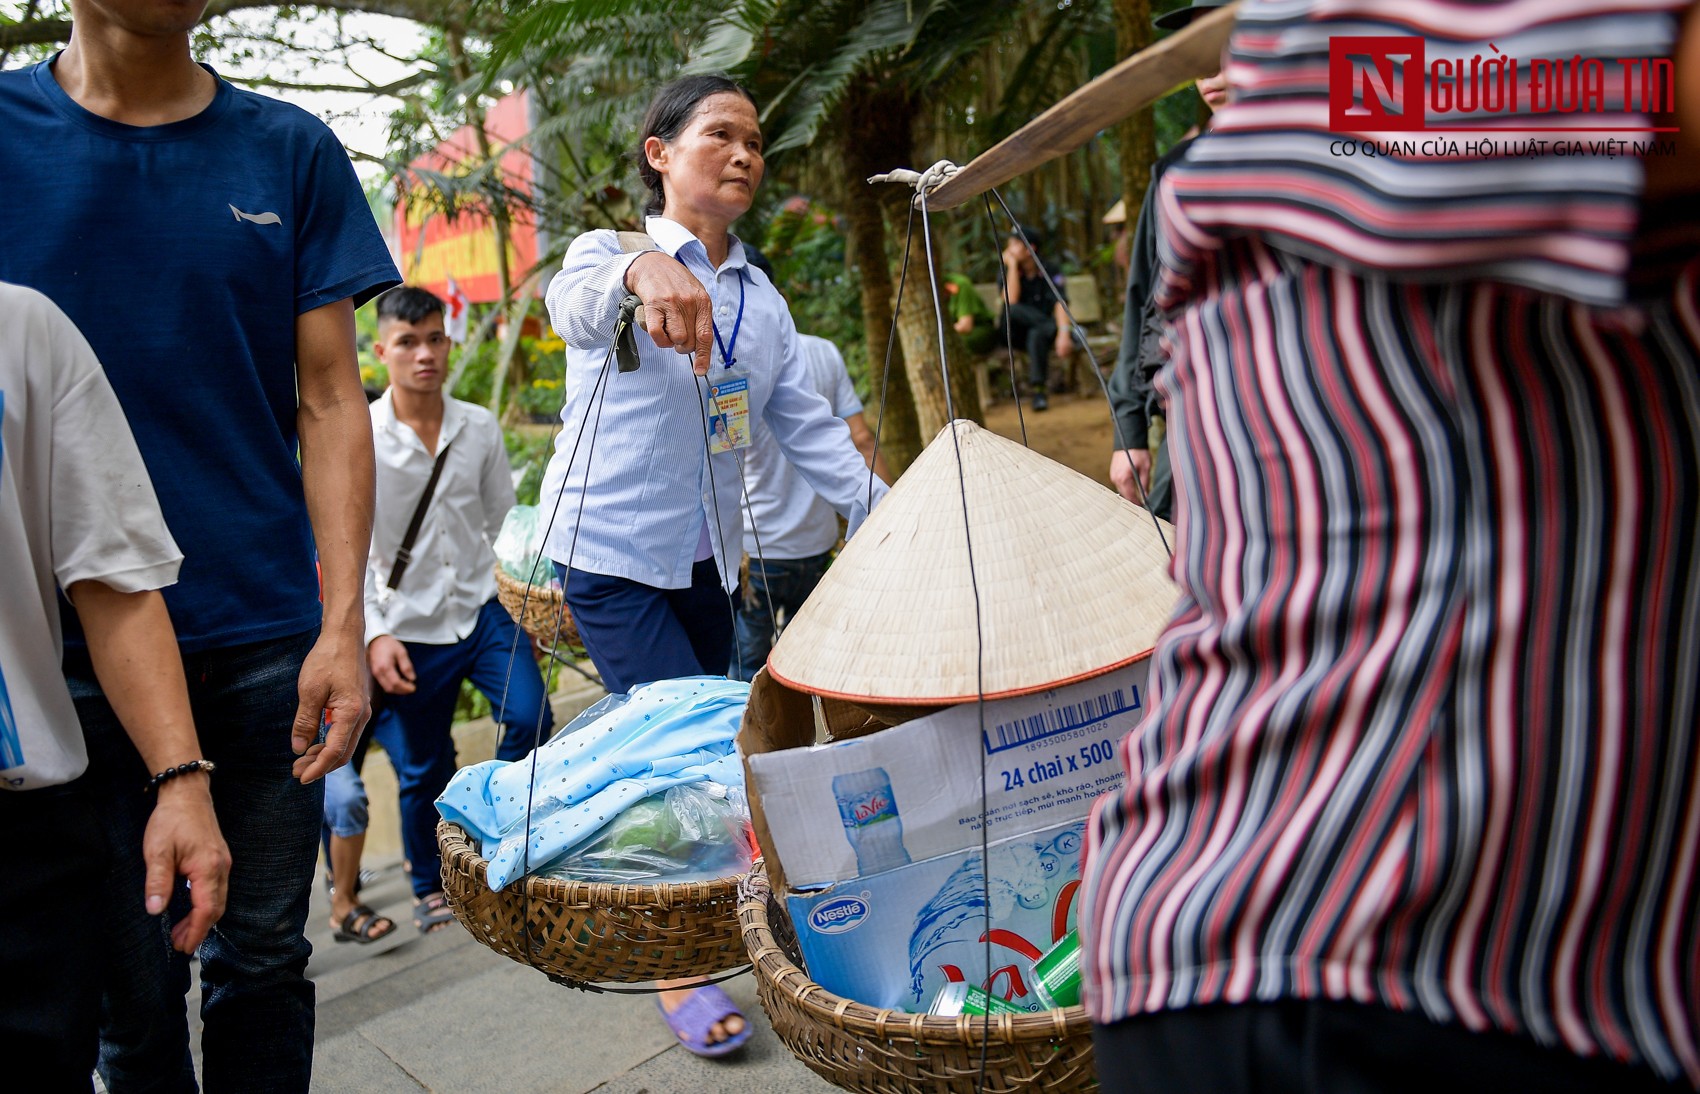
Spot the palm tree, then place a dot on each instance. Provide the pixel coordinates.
(850, 88)
(850, 80)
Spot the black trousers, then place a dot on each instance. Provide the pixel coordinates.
(49, 982)
(1035, 329)
(1297, 1046)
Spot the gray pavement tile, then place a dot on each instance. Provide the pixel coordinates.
(429, 966)
(763, 1065)
(337, 967)
(508, 1030)
(351, 1064)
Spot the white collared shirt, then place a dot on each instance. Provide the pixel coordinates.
(451, 573)
(651, 484)
(783, 518)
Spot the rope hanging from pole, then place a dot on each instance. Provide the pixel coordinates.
(926, 183)
(621, 348)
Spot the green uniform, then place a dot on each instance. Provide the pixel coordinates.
(966, 301)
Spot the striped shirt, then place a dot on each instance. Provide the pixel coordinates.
(1424, 724)
(1432, 205)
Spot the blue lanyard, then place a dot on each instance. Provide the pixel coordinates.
(727, 348)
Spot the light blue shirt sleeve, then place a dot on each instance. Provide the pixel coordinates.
(649, 489)
(584, 297)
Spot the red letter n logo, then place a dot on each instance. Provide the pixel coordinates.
(1375, 84)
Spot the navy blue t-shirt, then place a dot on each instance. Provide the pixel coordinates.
(184, 253)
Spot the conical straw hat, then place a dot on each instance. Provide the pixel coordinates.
(1073, 582)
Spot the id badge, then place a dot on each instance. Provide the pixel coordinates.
(728, 410)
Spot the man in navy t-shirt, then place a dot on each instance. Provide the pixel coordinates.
(212, 245)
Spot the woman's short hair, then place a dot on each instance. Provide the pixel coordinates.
(669, 112)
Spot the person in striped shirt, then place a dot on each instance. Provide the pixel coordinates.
(1417, 804)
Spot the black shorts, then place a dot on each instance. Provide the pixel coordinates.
(1322, 1047)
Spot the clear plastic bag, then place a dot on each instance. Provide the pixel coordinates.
(594, 712)
(519, 547)
(533, 812)
(696, 832)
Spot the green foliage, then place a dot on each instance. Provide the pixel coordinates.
(805, 242)
(373, 374)
(1042, 70)
(541, 398)
(478, 372)
(802, 56)
(529, 448)
(470, 705)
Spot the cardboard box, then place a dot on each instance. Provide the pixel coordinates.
(894, 935)
(894, 939)
(1046, 757)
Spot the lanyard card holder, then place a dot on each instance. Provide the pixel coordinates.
(728, 410)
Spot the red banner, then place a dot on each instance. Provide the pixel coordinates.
(434, 247)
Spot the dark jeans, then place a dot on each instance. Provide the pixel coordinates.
(778, 587)
(50, 1004)
(1298, 1046)
(256, 1002)
(1161, 499)
(1036, 329)
(414, 728)
(637, 634)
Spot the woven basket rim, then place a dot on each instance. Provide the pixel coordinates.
(879, 1022)
(516, 587)
(459, 854)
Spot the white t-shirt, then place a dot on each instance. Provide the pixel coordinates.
(76, 504)
(791, 519)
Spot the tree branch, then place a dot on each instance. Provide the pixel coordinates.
(440, 13)
(395, 88)
(29, 14)
(367, 157)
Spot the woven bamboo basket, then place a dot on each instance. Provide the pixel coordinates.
(880, 1051)
(541, 610)
(595, 933)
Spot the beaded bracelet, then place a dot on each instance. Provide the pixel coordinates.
(181, 769)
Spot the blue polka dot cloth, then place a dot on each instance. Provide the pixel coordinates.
(665, 734)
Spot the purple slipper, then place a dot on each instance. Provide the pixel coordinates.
(695, 1017)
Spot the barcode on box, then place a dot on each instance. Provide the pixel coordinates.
(1069, 716)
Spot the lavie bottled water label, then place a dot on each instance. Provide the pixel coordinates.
(873, 804)
(897, 938)
(869, 814)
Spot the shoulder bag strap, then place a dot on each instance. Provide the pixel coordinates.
(405, 554)
(625, 348)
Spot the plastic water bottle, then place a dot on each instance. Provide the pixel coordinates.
(871, 824)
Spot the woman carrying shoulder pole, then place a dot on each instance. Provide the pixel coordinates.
(647, 528)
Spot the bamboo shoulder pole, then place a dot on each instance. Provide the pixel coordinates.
(1188, 54)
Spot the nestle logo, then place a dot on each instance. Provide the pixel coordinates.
(1375, 83)
(837, 916)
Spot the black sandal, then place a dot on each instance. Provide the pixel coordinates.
(432, 913)
(359, 926)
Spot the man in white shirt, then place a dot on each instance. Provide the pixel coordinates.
(440, 623)
(789, 530)
(79, 514)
